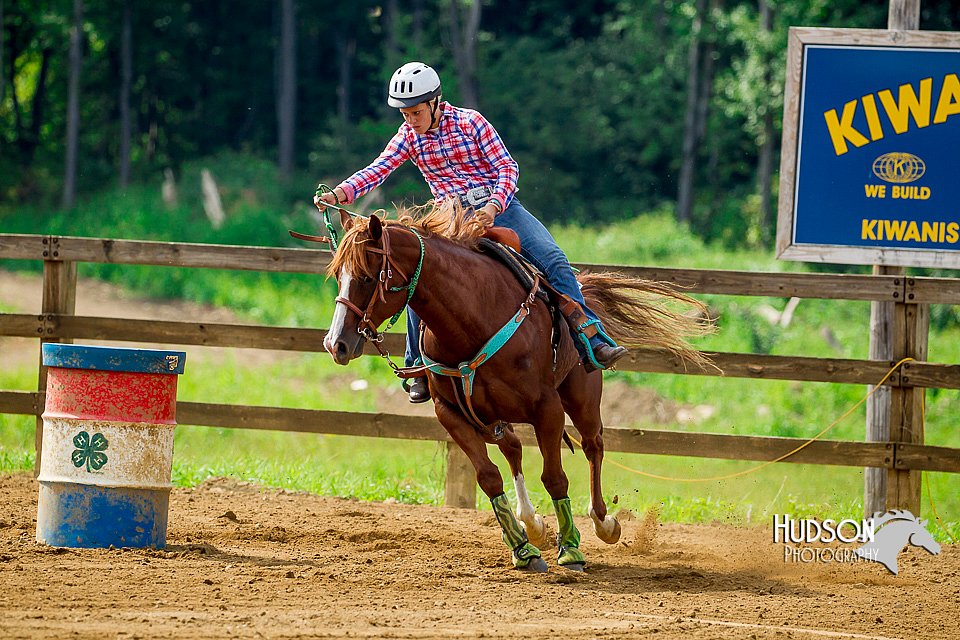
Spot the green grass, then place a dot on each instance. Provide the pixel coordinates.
(259, 212)
(413, 472)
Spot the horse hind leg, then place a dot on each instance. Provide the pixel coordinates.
(537, 530)
(523, 554)
(605, 525)
(580, 395)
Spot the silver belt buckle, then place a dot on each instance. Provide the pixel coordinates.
(475, 197)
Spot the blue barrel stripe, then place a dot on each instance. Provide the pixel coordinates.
(80, 515)
(74, 356)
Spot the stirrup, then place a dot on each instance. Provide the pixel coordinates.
(589, 359)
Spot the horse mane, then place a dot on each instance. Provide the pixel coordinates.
(444, 220)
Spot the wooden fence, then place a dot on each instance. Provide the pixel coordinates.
(903, 456)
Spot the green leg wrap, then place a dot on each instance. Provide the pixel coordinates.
(514, 535)
(568, 539)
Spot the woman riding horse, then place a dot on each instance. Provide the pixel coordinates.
(462, 158)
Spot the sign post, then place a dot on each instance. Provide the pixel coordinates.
(871, 123)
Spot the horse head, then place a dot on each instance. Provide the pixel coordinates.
(899, 528)
(371, 267)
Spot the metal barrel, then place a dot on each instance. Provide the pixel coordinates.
(107, 449)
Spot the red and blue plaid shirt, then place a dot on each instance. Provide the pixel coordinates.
(464, 151)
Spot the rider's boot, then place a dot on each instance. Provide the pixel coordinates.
(418, 390)
(605, 354)
(597, 349)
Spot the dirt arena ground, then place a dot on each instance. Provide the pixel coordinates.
(247, 562)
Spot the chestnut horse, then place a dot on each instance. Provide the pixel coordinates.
(463, 298)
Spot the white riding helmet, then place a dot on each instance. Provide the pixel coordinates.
(412, 84)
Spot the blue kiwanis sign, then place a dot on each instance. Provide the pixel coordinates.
(870, 149)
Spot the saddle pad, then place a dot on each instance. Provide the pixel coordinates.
(518, 265)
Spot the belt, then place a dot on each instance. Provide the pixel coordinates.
(476, 197)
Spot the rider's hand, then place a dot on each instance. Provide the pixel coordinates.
(487, 214)
(329, 198)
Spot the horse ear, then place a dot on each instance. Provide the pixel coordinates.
(375, 227)
(346, 221)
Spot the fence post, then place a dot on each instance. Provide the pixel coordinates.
(878, 405)
(59, 297)
(911, 327)
(461, 482)
(881, 421)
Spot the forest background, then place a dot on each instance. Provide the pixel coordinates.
(612, 107)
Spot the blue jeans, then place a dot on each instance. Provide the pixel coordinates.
(537, 246)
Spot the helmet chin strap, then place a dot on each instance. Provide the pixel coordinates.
(434, 118)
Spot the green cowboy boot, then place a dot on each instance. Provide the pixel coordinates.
(568, 539)
(525, 555)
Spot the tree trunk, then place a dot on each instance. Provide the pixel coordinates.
(126, 79)
(690, 141)
(3, 84)
(391, 22)
(391, 27)
(765, 161)
(73, 107)
(287, 87)
(463, 39)
(417, 27)
(346, 49)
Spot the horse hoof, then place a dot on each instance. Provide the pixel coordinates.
(539, 535)
(608, 529)
(536, 565)
(574, 566)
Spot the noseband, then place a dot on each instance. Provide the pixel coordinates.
(388, 265)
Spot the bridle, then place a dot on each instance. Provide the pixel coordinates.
(388, 266)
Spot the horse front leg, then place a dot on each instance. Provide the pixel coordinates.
(536, 528)
(549, 430)
(580, 395)
(523, 554)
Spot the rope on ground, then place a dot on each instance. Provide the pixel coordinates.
(769, 462)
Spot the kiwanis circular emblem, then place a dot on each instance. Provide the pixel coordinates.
(898, 167)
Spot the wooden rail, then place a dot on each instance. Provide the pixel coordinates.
(900, 456)
(616, 439)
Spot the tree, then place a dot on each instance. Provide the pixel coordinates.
(765, 162)
(696, 105)
(287, 87)
(73, 106)
(463, 41)
(3, 31)
(126, 79)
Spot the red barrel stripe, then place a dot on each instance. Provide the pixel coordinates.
(111, 395)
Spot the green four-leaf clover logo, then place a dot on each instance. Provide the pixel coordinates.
(89, 451)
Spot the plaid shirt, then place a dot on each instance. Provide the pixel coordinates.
(463, 152)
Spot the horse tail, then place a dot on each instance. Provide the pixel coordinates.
(566, 438)
(647, 314)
